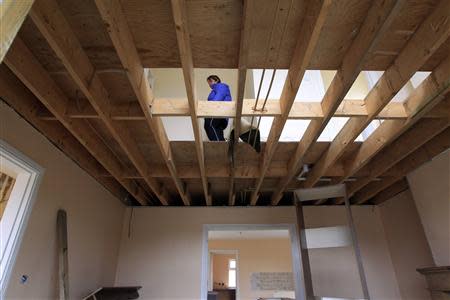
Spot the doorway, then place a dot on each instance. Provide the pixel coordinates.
(263, 260)
(223, 274)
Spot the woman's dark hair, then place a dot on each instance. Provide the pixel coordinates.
(213, 77)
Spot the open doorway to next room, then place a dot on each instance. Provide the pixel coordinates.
(250, 264)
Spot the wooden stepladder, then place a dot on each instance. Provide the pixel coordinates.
(63, 263)
(334, 191)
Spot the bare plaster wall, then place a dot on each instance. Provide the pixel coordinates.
(407, 244)
(430, 187)
(163, 252)
(94, 221)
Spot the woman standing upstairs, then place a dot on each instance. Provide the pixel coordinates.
(214, 127)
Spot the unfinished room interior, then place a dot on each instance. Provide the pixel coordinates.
(225, 149)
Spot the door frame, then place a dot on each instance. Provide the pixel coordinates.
(28, 175)
(295, 251)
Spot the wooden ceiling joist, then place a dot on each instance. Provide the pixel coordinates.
(25, 103)
(408, 142)
(242, 171)
(78, 74)
(427, 95)
(312, 25)
(379, 19)
(52, 24)
(431, 34)
(220, 170)
(27, 68)
(422, 100)
(112, 14)
(214, 109)
(246, 26)
(432, 148)
(184, 48)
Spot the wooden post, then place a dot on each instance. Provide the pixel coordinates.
(306, 288)
(356, 249)
(63, 264)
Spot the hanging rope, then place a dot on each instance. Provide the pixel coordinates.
(257, 95)
(271, 80)
(264, 105)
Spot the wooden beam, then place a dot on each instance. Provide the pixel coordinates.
(305, 276)
(50, 21)
(12, 15)
(132, 111)
(184, 48)
(63, 255)
(243, 171)
(15, 94)
(427, 95)
(407, 143)
(390, 192)
(117, 26)
(246, 29)
(28, 69)
(378, 20)
(313, 22)
(432, 33)
(356, 248)
(432, 148)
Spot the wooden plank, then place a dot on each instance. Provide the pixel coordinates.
(63, 255)
(432, 33)
(116, 24)
(307, 291)
(299, 110)
(27, 68)
(158, 30)
(246, 30)
(246, 27)
(407, 143)
(24, 103)
(356, 249)
(50, 21)
(427, 95)
(221, 170)
(312, 26)
(164, 107)
(12, 15)
(323, 192)
(379, 19)
(432, 148)
(184, 47)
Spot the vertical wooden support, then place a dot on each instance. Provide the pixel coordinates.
(179, 12)
(306, 289)
(326, 192)
(63, 263)
(356, 249)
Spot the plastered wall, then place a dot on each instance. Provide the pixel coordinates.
(430, 187)
(94, 221)
(407, 245)
(164, 248)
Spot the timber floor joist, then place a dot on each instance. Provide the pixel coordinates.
(78, 72)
